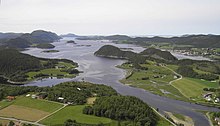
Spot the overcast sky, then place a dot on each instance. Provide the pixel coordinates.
(105, 17)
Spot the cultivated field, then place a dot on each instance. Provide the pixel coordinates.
(193, 88)
(75, 113)
(24, 113)
(43, 105)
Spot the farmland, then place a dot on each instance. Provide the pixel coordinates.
(155, 79)
(75, 113)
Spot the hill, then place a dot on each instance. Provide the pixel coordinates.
(156, 53)
(21, 41)
(40, 36)
(110, 51)
(9, 35)
(111, 37)
(13, 62)
(17, 43)
(15, 65)
(199, 41)
(69, 35)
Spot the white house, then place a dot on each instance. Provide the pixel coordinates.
(34, 96)
(28, 95)
(60, 98)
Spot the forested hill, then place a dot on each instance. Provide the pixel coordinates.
(21, 41)
(14, 65)
(156, 53)
(12, 61)
(111, 37)
(199, 41)
(114, 52)
(41, 36)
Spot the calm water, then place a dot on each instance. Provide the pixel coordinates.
(103, 71)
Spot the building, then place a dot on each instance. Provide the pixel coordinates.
(34, 96)
(60, 98)
(10, 98)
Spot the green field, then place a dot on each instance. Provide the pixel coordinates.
(4, 104)
(43, 105)
(75, 113)
(159, 85)
(193, 88)
(60, 70)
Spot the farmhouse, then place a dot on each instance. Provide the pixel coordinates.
(11, 98)
(33, 96)
(60, 98)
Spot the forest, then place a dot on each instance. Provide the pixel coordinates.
(123, 108)
(78, 92)
(73, 92)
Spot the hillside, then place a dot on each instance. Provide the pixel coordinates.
(17, 43)
(15, 65)
(13, 62)
(156, 53)
(111, 37)
(9, 35)
(21, 41)
(110, 51)
(41, 36)
(199, 41)
(69, 35)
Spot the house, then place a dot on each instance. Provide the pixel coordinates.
(11, 98)
(60, 98)
(217, 120)
(28, 95)
(34, 96)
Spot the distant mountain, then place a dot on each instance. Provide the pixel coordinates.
(41, 36)
(9, 35)
(158, 54)
(112, 37)
(69, 35)
(199, 41)
(21, 41)
(17, 43)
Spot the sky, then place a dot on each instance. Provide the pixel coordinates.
(107, 17)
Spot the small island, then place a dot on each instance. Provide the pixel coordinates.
(45, 46)
(71, 41)
(50, 51)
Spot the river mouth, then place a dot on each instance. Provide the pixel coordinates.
(104, 71)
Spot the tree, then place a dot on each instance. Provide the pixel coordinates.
(11, 123)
